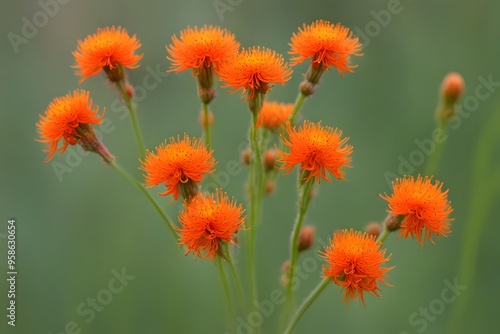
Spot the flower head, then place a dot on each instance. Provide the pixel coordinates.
(273, 114)
(354, 262)
(180, 165)
(316, 149)
(421, 206)
(328, 45)
(207, 222)
(109, 49)
(254, 70)
(67, 118)
(202, 47)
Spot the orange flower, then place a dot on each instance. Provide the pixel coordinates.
(254, 70)
(109, 49)
(328, 45)
(354, 262)
(206, 223)
(273, 114)
(199, 48)
(316, 149)
(420, 205)
(67, 118)
(179, 164)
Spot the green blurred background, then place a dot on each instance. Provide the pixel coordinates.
(75, 229)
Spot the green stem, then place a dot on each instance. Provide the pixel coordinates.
(236, 277)
(130, 105)
(482, 201)
(383, 236)
(256, 179)
(227, 294)
(137, 184)
(208, 139)
(298, 104)
(294, 249)
(307, 302)
(432, 165)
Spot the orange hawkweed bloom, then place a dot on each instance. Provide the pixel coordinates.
(180, 165)
(316, 149)
(327, 44)
(273, 114)
(202, 47)
(354, 262)
(68, 118)
(110, 49)
(254, 70)
(421, 206)
(206, 223)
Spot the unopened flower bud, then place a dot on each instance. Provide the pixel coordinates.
(374, 228)
(285, 267)
(246, 155)
(202, 120)
(393, 222)
(306, 238)
(451, 89)
(129, 89)
(270, 159)
(270, 187)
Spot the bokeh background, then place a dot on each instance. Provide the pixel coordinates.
(74, 229)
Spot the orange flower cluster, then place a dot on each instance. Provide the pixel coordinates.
(180, 165)
(316, 149)
(254, 70)
(422, 206)
(64, 119)
(327, 44)
(202, 47)
(272, 115)
(207, 222)
(108, 49)
(355, 263)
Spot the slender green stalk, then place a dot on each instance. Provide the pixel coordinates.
(432, 165)
(294, 250)
(208, 139)
(255, 188)
(234, 274)
(482, 197)
(307, 302)
(255, 198)
(383, 236)
(130, 106)
(227, 293)
(136, 183)
(298, 104)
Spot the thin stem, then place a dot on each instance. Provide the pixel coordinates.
(432, 165)
(383, 236)
(227, 294)
(482, 197)
(206, 125)
(234, 274)
(298, 104)
(130, 105)
(307, 302)
(256, 165)
(136, 183)
(255, 189)
(294, 250)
